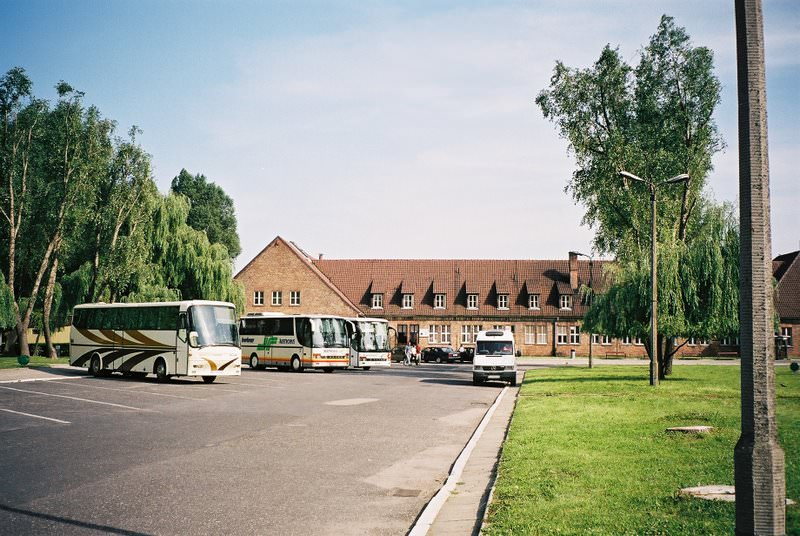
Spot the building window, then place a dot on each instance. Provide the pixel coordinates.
(408, 301)
(530, 334)
(574, 334)
(692, 341)
(277, 297)
(438, 301)
(433, 334)
(472, 301)
(445, 334)
(638, 341)
(402, 333)
(258, 297)
(414, 333)
(503, 328)
(626, 340)
(541, 334)
(565, 301)
(502, 301)
(294, 297)
(601, 339)
(786, 333)
(377, 301)
(533, 301)
(469, 334)
(561, 334)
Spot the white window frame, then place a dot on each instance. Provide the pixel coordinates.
(408, 301)
(445, 334)
(574, 334)
(541, 334)
(533, 302)
(638, 341)
(258, 297)
(472, 301)
(377, 300)
(277, 297)
(565, 301)
(604, 340)
(502, 301)
(439, 301)
(530, 334)
(294, 298)
(433, 334)
(561, 335)
(786, 331)
(626, 340)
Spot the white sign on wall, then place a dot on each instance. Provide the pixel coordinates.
(423, 332)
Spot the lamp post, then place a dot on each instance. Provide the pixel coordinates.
(653, 286)
(591, 336)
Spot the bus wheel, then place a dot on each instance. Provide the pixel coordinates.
(160, 370)
(364, 368)
(296, 365)
(328, 369)
(209, 379)
(254, 361)
(95, 368)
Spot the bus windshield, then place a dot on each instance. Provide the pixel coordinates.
(374, 337)
(494, 348)
(329, 333)
(215, 325)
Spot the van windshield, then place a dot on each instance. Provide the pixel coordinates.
(494, 348)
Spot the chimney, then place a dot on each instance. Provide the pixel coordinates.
(573, 270)
(320, 256)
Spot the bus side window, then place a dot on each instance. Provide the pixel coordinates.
(304, 331)
(285, 326)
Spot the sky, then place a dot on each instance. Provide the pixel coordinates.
(377, 129)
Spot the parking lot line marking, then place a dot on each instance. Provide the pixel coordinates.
(351, 402)
(35, 416)
(129, 390)
(264, 384)
(74, 398)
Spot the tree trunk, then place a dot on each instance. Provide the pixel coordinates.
(665, 348)
(48, 305)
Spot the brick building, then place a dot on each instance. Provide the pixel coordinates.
(786, 270)
(446, 302)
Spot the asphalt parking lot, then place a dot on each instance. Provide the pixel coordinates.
(269, 452)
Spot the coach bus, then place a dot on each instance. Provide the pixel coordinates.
(369, 346)
(295, 341)
(186, 338)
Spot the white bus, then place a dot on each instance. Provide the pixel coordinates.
(186, 338)
(294, 341)
(369, 346)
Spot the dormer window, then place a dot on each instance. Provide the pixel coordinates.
(533, 301)
(565, 301)
(472, 301)
(408, 301)
(502, 301)
(438, 301)
(377, 301)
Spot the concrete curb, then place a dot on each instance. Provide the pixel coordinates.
(431, 510)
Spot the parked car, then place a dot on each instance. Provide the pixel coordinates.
(439, 354)
(467, 355)
(398, 353)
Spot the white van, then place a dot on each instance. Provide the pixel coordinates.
(495, 357)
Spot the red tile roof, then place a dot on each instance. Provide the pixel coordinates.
(786, 270)
(359, 278)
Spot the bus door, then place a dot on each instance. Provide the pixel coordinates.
(355, 344)
(181, 364)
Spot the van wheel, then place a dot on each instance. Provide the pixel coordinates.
(95, 367)
(160, 370)
(296, 365)
(209, 379)
(513, 383)
(254, 362)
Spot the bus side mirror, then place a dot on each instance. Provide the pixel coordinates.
(192, 338)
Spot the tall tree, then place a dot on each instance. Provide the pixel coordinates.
(655, 120)
(211, 210)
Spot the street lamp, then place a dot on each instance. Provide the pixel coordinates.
(683, 177)
(590, 296)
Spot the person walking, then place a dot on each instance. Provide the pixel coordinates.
(415, 355)
(409, 350)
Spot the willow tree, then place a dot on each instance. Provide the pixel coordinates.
(654, 119)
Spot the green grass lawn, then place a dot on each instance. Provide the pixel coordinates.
(587, 452)
(36, 361)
